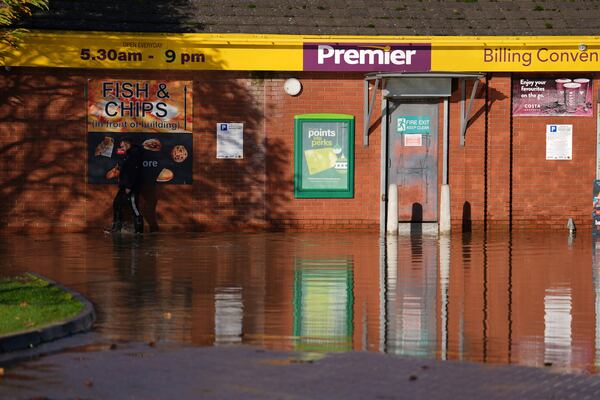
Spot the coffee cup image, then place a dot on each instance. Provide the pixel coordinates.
(571, 96)
(583, 88)
(560, 90)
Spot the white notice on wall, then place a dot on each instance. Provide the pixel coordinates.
(230, 140)
(559, 142)
(413, 140)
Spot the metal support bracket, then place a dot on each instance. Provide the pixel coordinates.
(368, 108)
(466, 115)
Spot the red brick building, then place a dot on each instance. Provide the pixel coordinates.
(507, 172)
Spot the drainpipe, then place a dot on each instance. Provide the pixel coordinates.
(384, 162)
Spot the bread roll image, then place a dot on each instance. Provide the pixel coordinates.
(152, 145)
(165, 175)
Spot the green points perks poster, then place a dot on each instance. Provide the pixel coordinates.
(324, 156)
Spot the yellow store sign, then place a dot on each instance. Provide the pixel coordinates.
(154, 51)
(304, 53)
(513, 54)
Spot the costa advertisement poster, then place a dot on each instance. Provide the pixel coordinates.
(558, 96)
(167, 159)
(139, 106)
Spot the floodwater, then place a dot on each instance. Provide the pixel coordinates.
(529, 298)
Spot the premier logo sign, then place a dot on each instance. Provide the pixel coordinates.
(367, 57)
(370, 55)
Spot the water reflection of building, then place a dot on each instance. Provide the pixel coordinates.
(304, 292)
(229, 313)
(411, 301)
(323, 304)
(555, 297)
(558, 321)
(523, 299)
(336, 294)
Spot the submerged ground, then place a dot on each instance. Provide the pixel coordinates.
(529, 299)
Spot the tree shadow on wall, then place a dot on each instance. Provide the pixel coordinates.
(232, 193)
(43, 150)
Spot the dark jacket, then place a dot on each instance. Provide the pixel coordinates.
(131, 169)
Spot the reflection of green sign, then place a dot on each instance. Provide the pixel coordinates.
(324, 155)
(323, 305)
(408, 124)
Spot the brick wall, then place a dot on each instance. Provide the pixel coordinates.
(547, 193)
(480, 170)
(500, 172)
(321, 93)
(43, 155)
(501, 177)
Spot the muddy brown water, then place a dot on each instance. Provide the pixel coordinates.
(529, 298)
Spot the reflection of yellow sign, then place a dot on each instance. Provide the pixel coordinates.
(139, 106)
(319, 160)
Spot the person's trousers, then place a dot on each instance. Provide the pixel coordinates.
(129, 200)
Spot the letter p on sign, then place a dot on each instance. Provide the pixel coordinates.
(324, 52)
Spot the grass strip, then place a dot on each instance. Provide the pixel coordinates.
(28, 302)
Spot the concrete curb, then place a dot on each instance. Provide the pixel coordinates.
(80, 323)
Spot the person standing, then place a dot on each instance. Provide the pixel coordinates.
(129, 187)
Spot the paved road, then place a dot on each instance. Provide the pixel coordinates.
(169, 371)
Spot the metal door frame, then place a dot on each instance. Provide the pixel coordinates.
(385, 155)
(433, 101)
(381, 79)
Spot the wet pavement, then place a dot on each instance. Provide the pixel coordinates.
(138, 371)
(527, 299)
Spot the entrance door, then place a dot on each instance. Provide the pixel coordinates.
(413, 158)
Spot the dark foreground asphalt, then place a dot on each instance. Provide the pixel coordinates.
(165, 371)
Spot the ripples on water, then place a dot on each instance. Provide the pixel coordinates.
(529, 298)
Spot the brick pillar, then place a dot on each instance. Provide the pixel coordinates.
(498, 173)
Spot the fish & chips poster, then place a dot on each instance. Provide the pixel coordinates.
(155, 115)
(139, 106)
